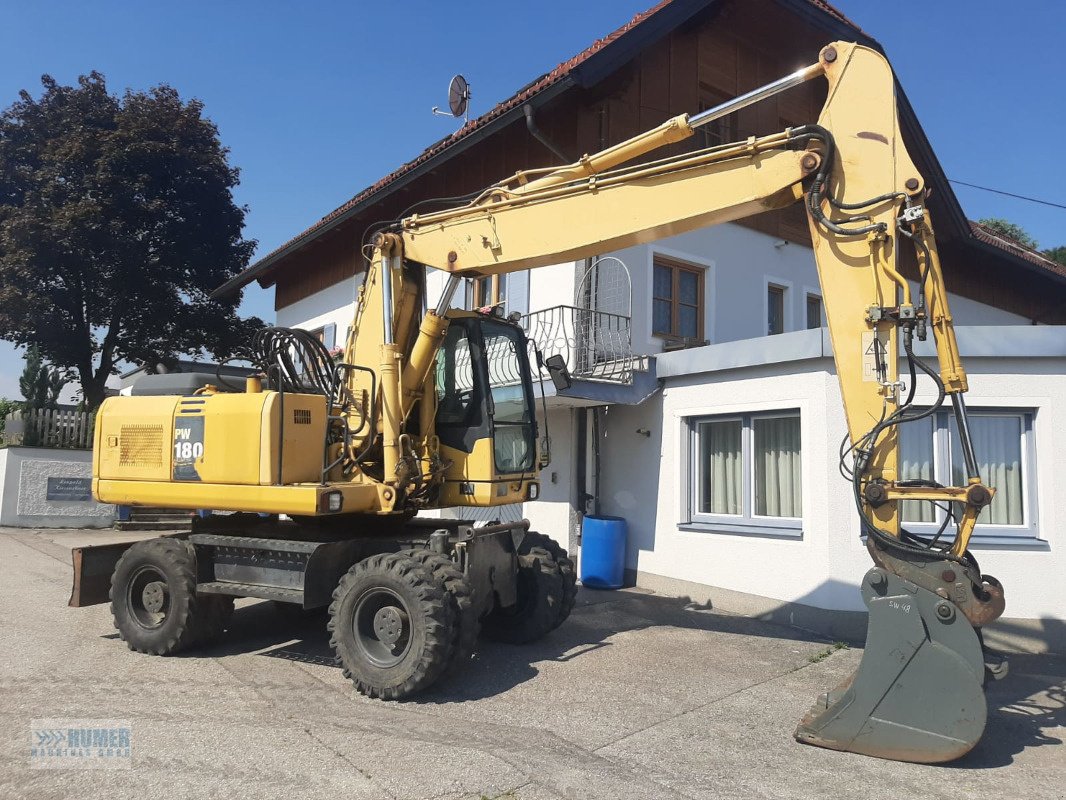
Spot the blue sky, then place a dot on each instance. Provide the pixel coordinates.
(318, 100)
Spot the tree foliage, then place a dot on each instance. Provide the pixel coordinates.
(1057, 254)
(40, 383)
(117, 220)
(1010, 230)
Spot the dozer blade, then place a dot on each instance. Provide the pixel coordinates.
(918, 693)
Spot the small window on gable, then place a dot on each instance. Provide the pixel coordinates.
(719, 131)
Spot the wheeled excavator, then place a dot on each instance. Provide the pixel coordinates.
(326, 464)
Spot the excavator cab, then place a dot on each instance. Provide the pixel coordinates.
(486, 419)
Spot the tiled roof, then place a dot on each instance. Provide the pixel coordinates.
(557, 74)
(985, 234)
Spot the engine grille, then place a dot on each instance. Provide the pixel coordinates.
(141, 446)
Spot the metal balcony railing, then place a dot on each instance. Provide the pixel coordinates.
(597, 345)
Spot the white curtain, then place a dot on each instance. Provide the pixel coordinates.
(916, 461)
(997, 443)
(777, 466)
(720, 453)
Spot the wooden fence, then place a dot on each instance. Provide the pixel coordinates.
(44, 427)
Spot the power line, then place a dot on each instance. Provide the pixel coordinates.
(1008, 194)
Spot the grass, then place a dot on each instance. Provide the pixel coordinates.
(822, 655)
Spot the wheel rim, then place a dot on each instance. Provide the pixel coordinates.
(148, 597)
(382, 627)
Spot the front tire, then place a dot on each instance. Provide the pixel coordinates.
(391, 626)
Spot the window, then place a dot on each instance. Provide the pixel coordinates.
(775, 309)
(327, 334)
(677, 299)
(513, 425)
(490, 291)
(746, 473)
(1003, 443)
(719, 131)
(814, 311)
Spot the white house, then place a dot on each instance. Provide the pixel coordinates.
(706, 409)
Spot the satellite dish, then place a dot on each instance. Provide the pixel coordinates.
(458, 99)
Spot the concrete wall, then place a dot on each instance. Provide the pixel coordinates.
(24, 502)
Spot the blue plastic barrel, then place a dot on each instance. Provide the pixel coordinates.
(603, 552)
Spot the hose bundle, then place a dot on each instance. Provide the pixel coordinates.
(297, 361)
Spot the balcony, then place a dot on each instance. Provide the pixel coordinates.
(596, 345)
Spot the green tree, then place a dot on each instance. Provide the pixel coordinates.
(117, 220)
(40, 383)
(6, 407)
(1010, 230)
(1057, 254)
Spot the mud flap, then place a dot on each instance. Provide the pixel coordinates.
(918, 693)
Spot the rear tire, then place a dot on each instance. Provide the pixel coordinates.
(566, 569)
(461, 599)
(391, 626)
(153, 597)
(215, 611)
(541, 592)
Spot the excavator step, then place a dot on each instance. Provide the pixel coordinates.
(251, 590)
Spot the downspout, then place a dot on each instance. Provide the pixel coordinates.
(536, 133)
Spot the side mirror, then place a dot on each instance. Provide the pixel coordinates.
(558, 372)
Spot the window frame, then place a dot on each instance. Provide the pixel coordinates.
(807, 310)
(747, 522)
(495, 286)
(325, 333)
(677, 266)
(782, 291)
(722, 131)
(986, 532)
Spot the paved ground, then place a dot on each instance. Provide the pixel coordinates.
(637, 696)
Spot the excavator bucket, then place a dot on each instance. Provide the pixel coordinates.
(918, 693)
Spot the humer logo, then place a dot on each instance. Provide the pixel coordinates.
(80, 744)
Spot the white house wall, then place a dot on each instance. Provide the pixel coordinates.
(555, 512)
(642, 480)
(335, 305)
(739, 263)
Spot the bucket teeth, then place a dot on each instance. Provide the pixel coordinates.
(917, 694)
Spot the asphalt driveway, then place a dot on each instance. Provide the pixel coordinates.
(637, 696)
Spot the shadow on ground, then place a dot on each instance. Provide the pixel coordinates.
(282, 631)
(1021, 707)
(1031, 699)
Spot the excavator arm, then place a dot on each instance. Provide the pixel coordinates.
(918, 693)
